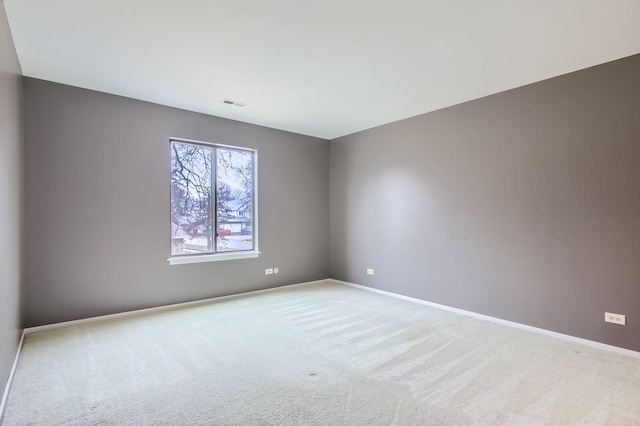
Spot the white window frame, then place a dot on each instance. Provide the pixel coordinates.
(221, 256)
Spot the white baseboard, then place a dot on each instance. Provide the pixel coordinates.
(5, 395)
(121, 315)
(566, 337)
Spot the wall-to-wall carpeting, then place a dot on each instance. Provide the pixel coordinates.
(321, 354)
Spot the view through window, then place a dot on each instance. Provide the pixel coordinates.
(212, 198)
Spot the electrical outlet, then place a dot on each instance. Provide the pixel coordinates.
(369, 271)
(276, 270)
(615, 318)
(268, 271)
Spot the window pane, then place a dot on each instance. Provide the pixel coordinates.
(234, 172)
(191, 202)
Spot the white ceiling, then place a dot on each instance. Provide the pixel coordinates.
(322, 68)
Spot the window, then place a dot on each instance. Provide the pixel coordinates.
(213, 190)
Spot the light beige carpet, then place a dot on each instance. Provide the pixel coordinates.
(322, 354)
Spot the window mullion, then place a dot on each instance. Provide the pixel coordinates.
(214, 198)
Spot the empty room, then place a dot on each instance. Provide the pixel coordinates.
(324, 213)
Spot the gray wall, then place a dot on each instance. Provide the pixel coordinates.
(524, 205)
(10, 198)
(97, 205)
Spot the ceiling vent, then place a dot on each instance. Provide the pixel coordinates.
(234, 103)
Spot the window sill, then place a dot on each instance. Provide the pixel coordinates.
(182, 260)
